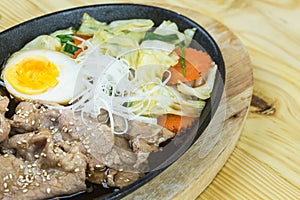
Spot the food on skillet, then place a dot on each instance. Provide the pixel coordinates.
(93, 103)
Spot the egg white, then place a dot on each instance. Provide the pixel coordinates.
(68, 69)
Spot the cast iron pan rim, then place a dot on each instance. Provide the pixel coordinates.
(207, 117)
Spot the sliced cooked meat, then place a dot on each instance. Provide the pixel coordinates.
(117, 168)
(113, 178)
(69, 125)
(29, 145)
(101, 139)
(22, 180)
(57, 148)
(4, 128)
(9, 173)
(4, 124)
(119, 123)
(44, 168)
(33, 115)
(145, 137)
(4, 101)
(121, 179)
(110, 150)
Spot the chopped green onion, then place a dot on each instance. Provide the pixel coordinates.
(70, 48)
(128, 104)
(183, 62)
(165, 38)
(65, 38)
(181, 45)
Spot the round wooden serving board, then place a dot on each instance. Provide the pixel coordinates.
(195, 170)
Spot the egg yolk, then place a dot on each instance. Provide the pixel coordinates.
(32, 75)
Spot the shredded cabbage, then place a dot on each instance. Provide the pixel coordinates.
(90, 25)
(168, 27)
(126, 74)
(44, 42)
(203, 91)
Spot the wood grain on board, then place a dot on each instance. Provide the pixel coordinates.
(265, 163)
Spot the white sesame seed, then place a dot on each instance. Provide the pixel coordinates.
(1, 130)
(33, 122)
(5, 178)
(64, 129)
(22, 180)
(52, 119)
(48, 140)
(5, 155)
(6, 190)
(45, 173)
(10, 176)
(48, 190)
(36, 156)
(5, 185)
(98, 166)
(37, 184)
(76, 170)
(25, 190)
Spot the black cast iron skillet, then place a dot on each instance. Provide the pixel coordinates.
(16, 37)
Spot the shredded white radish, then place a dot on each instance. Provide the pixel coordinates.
(110, 84)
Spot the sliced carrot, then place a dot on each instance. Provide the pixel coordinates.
(77, 53)
(196, 63)
(175, 123)
(78, 42)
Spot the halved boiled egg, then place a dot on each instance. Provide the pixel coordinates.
(41, 74)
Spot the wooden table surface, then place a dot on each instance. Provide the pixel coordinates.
(265, 163)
